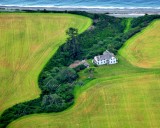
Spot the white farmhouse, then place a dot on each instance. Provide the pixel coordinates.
(106, 58)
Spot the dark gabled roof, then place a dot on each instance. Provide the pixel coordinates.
(106, 56)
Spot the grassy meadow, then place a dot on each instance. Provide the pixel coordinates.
(27, 42)
(125, 95)
(108, 104)
(142, 50)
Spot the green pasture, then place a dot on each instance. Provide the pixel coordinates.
(130, 101)
(143, 49)
(27, 42)
(124, 95)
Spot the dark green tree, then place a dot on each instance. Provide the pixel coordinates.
(67, 75)
(72, 46)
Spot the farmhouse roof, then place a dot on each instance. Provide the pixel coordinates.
(77, 63)
(106, 56)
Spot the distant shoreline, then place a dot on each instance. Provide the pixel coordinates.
(113, 11)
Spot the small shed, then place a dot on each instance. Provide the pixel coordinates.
(78, 62)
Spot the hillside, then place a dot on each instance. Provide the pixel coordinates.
(122, 95)
(142, 50)
(28, 42)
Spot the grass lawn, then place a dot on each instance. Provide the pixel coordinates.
(121, 96)
(27, 41)
(142, 49)
(128, 24)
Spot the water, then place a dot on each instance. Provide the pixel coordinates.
(155, 4)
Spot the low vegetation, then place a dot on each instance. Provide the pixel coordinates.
(142, 49)
(128, 101)
(122, 95)
(29, 41)
(57, 88)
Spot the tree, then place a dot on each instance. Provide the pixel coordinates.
(50, 85)
(72, 33)
(67, 75)
(52, 100)
(72, 46)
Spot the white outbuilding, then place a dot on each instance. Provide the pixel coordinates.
(106, 58)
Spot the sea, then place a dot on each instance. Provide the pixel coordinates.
(104, 4)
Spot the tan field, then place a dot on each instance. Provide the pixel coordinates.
(142, 49)
(121, 96)
(27, 42)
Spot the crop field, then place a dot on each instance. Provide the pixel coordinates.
(110, 103)
(142, 50)
(124, 95)
(27, 41)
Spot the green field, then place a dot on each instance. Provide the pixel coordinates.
(121, 96)
(109, 104)
(27, 41)
(142, 50)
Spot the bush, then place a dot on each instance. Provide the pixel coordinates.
(79, 68)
